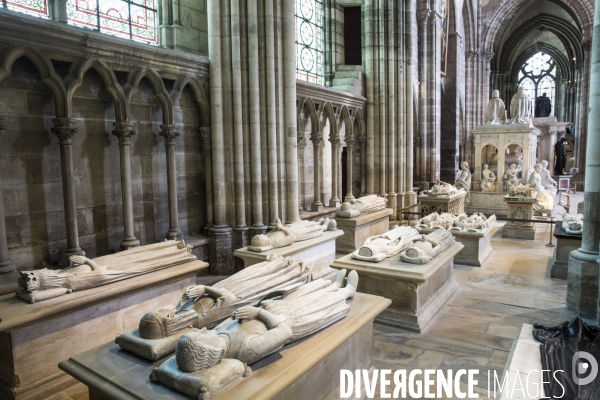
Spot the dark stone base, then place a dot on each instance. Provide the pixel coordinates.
(582, 285)
(240, 238)
(220, 251)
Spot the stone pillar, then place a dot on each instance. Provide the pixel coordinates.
(362, 140)
(271, 113)
(64, 129)
(410, 197)
(316, 138)
(5, 264)
(423, 19)
(169, 133)
(207, 155)
(500, 171)
(123, 131)
(349, 167)
(582, 281)
(369, 33)
(335, 167)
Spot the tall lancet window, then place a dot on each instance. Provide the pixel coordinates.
(38, 8)
(309, 41)
(538, 76)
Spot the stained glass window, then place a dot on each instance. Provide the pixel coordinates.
(131, 19)
(309, 41)
(538, 76)
(39, 8)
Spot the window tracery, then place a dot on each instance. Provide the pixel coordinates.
(538, 75)
(309, 41)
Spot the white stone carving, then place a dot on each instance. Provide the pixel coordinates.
(488, 180)
(361, 206)
(495, 112)
(443, 189)
(476, 222)
(572, 223)
(520, 108)
(547, 182)
(378, 248)
(424, 250)
(545, 199)
(282, 236)
(511, 177)
(464, 180)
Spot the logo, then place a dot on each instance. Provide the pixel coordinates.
(584, 364)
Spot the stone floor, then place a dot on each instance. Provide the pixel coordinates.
(477, 326)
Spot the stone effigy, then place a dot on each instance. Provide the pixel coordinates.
(436, 221)
(361, 206)
(424, 250)
(378, 248)
(477, 222)
(488, 180)
(205, 306)
(441, 189)
(495, 112)
(208, 361)
(464, 180)
(520, 108)
(545, 199)
(573, 223)
(547, 182)
(43, 284)
(282, 236)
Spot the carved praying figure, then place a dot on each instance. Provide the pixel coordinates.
(520, 108)
(487, 179)
(545, 200)
(464, 180)
(511, 177)
(543, 107)
(547, 181)
(495, 112)
(253, 333)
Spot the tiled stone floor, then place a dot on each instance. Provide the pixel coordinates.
(477, 326)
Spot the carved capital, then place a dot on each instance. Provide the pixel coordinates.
(64, 129)
(335, 140)
(349, 140)
(488, 55)
(205, 136)
(316, 138)
(123, 131)
(423, 17)
(169, 133)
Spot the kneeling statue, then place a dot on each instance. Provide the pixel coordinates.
(424, 250)
(378, 248)
(207, 361)
(282, 236)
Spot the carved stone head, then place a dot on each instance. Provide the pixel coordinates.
(198, 350)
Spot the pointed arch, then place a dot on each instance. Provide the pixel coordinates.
(158, 86)
(199, 95)
(329, 115)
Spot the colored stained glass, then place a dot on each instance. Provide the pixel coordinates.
(537, 76)
(128, 19)
(39, 8)
(309, 41)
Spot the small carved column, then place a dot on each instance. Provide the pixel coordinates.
(5, 264)
(335, 168)
(123, 131)
(316, 139)
(362, 140)
(64, 129)
(207, 154)
(500, 170)
(169, 133)
(349, 165)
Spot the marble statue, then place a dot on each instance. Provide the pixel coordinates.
(545, 200)
(435, 220)
(83, 273)
(543, 107)
(495, 112)
(560, 155)
(361, 206)
(205, 306)
(547, 182)
(464, 180)
(207, 361)
(519, 190)
(573, 223)
(520, 108)
(424, 250)
(511, 177)
(282, 236)
(442, 189)
(487, 180)
(378, 248)
(476, 222)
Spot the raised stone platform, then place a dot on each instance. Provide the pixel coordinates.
(34, 338)
(477, 246)
(565, 244)
(519, 208)
(417, 291)
(308, 369)
(454, 203)
(317, 253)
(358, 229)
(486, 203)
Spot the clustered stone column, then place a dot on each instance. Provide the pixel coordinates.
(5, 264)
(316, 139)
(64, 129)
(206, 154)
(349, 167)
(123, 131)
(362, 140)
(169, 133)
(335, 162)
(582, 281)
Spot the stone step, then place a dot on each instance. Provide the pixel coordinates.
(342, 67)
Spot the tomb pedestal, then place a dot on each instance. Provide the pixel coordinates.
(358, 229)
(486, 203)
(34, 338)
(477, 246)
(519, 208)
(417, 291)
(308, 369)
(317, 253)
(565, 244)
(454, 203)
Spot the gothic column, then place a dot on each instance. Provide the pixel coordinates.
(582, 281)
(169, 133)
(412, 41)
(207, 155)
(64, 129)
(335, 167)
(349, 167)
(316, 138)
(369, 33)
(5, 264)
(362, 140)
(123, 131)
(423, 22)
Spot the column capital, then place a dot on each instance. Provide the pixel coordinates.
(205, 135)
(349, 140)
(123, 131)
(169, 133)
(488, 55)
(335, 140)
(64, 129)
(316, 138)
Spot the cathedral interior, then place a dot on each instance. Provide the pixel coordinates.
(440, 158)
